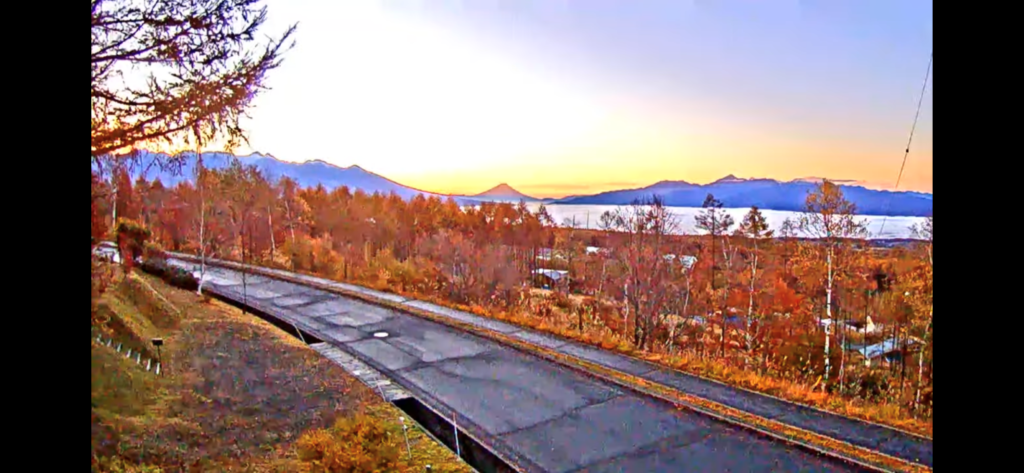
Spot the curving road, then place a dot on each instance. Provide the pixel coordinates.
(536, 414)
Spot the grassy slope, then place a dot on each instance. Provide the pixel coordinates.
(236, 393)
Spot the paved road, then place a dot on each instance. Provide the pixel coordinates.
(543, 416)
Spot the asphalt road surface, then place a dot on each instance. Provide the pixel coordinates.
(543, 416)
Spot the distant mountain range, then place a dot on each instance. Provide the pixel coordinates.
(305, 174)
(734, 192)
(770, 194)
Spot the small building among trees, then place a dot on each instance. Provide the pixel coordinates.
(548, 278)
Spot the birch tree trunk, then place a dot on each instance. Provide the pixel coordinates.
(920, 363)
(113, 206)
(202, 223)
(750, 307)
(828, 312)
(842, 351)
(270, 225)
(679, 317)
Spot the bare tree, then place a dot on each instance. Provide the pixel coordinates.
(829, 217)
(171, 70)
(570, 248)
(200, 179)
(716, 222)
(644, 227)
(755, 228)
(207, 184)
(607, 224)
(240, 183)
(924, 232)
(682, 312)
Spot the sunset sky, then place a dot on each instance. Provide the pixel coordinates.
(567, 97)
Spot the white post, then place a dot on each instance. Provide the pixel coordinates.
(405, 429)
(455, 423)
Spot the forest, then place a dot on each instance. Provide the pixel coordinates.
(829, 321)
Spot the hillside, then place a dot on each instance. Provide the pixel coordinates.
(235, 394)
(766, 194)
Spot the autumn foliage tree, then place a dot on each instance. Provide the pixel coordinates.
(921, 291)
(755, 229)
(98, 220)
(714, 220)
(645, 274)
(831, 219)
(176, 70)
(131, 240)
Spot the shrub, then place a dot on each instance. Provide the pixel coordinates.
(357, 443)
(152, 250)
(172, 275)
(131, 237)
(561, 300)
(120, 465)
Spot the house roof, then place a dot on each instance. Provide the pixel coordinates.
(881, 348)
(686, 260)
(730, 320)
(555, 274)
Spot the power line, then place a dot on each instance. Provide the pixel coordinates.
(906, 153)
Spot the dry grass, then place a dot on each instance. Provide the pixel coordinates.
(887, 414)
(236, 393)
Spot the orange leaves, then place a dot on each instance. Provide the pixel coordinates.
(786, 300)
(357, 443)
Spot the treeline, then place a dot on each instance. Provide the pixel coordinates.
(740, 300)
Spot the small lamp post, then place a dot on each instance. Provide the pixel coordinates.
(158, 342)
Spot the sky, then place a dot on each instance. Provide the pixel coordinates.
(561, 97)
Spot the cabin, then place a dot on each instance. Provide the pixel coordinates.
(686, 260)
(859, 326)
(548, 278)
(864, 326)
(886, 352)
(737, 322)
